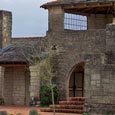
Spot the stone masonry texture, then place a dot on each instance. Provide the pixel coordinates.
(15, 86)
(5, 28)
(94, 47)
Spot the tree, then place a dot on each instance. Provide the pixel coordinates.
(47, 73)
(34, 54)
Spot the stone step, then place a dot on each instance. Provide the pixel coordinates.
(71, 103)
(62, 110)
(80, 107)
(46, 109)
(81, 99)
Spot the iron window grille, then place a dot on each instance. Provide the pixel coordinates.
(75, 22)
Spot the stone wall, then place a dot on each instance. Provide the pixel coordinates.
(99, 21)
(99, 85)
(1, 82)
(5, 28)
(94, 21)
(93, 47)
(71, 47)
(56, 19)
(15, 86)
(34, 81)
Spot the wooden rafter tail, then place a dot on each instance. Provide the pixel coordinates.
(73, 6)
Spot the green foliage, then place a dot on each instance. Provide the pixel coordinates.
(33, 112)
(86, 114)
(46, 94)
(110, 113)
(49, 92)
(47, 69)
(3, 113)
(31, 51)
(16, 114)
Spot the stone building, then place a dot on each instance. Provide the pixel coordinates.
(83, 34)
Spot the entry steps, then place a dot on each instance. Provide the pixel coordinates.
(72, 105)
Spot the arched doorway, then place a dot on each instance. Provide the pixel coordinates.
(76, 82)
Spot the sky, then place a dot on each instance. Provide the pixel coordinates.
(28, 19)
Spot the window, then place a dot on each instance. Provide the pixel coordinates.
(75, 22)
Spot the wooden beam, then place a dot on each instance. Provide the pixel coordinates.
(13, 65)
(113, 13)
(108, 10)
(90, 10)
(86, 5)
(114, 10)
(77, 12)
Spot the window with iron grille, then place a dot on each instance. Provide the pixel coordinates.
(75, 22)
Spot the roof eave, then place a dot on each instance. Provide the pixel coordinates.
(62, 4)
(46, 6)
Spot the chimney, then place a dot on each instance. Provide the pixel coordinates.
(5, 28)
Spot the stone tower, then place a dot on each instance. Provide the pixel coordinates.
(5, 28)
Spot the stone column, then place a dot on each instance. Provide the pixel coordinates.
(110, 39)
(1, 82)
(34, 82)
(56, 19)
(5, 28)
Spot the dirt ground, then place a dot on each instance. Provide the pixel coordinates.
(25, 110)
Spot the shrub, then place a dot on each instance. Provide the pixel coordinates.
(46, 95)
(86, 114)
(16, 114)
(33, 112)
(3, 113)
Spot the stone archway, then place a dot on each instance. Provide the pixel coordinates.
(76, 81)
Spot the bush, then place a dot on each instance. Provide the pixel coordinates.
(33, 112)
(16, 114)
(46, 95)
(3, 113)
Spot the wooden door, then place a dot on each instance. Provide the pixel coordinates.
(76, 84)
